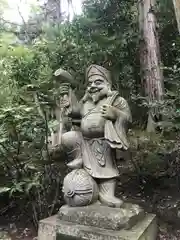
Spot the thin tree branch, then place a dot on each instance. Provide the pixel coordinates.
(24, 22)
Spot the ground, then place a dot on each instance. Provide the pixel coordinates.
(159, 196)
(23, 230)
(166, 232)
(11, 232)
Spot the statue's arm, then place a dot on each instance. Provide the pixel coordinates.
(122, 109)
(72, 112)
(75, 112)
(69, 102)
(116, 129)
(119, 109)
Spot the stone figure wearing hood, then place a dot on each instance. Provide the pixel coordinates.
(104, 118)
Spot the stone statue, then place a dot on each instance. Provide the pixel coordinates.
(99, 127)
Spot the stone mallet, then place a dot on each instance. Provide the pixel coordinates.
(63, 78)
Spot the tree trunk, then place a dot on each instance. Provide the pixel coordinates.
(58, 11)
(177, 12)
(151, 72)
(53, 11)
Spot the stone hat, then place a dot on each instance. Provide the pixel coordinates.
(99, 71)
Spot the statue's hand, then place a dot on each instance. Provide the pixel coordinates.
(64, 89)
(64, 102)
(109, 112)
(64, 95)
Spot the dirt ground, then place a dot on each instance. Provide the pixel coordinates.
(12, 233)
(10, 229)
(156, 196)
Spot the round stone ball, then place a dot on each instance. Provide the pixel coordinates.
(80, 189)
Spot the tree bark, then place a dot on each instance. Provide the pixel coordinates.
(150, 61)
(176, 4)
(53, 11)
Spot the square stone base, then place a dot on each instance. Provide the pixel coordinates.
(54, 229)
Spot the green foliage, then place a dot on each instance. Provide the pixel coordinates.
(27, 76)
(3, 6)
(154, 156)
(106, 34)
(23, 168)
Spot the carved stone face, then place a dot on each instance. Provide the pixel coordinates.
(97, 87)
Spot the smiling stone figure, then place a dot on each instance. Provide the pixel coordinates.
(99, 124)
(104, 118)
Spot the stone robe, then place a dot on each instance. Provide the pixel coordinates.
(100, 137)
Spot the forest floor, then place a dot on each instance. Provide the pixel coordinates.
(160, 196)
(17, 231)
(29, 234)
(156, 195)
(23, 230)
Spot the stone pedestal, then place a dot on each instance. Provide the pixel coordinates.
(99, 223)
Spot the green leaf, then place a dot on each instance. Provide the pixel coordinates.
(2, 140)
(52, 124)
(4, 189)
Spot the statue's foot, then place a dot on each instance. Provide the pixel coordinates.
(97, 202)
(107, 193)
(76, 163)
(110, 201)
